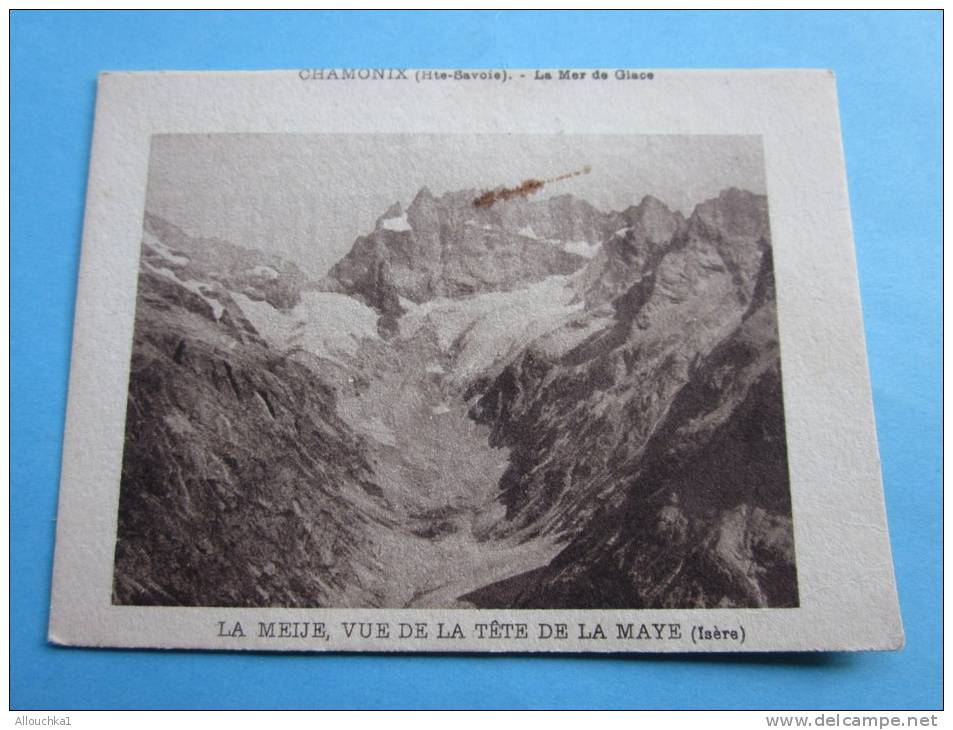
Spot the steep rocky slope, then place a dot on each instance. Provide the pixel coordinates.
(448, 247)
(657, 444)
(533, 403)
(222, 265)
(620, 262)
(240, 484)
(280, 453)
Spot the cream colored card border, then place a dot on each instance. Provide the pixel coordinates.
(845, 574)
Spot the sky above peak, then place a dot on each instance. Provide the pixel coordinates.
(308, 196)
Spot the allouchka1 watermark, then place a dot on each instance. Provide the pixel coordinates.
(44, 721)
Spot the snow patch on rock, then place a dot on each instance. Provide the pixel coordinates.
(398, 223)
(581, 248)
(324, 323)
(164, 251)
(264, 272)
(193, 286)
(482, 330)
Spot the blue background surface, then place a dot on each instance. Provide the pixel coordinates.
(889, 78)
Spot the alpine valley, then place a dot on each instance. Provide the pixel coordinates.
(530, 404)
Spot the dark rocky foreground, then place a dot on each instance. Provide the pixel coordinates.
(611, 437)
(240, 485)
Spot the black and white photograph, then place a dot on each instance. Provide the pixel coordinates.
(461, 371)
(487, 363)
(476, 359)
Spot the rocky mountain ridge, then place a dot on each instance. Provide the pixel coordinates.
(543, 403)
(450, 247)
(240, 484)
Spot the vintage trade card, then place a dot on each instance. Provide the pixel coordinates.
(470, 361)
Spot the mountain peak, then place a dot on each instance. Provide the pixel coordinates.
(395, 211)
(447, 247)
(648, 205)
(734, 213)
(734, 193)
(423, 195)
(650, 202)
(652, 220)
(393, 219)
